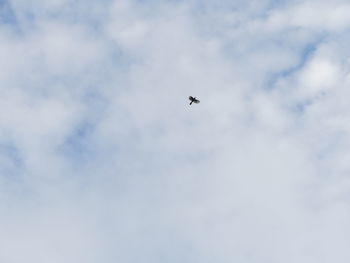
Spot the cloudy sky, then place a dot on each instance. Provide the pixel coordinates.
(102, 160)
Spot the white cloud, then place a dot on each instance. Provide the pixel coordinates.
(314, 15)
(103, 160)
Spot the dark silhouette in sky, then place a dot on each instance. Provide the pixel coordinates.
(193, 99)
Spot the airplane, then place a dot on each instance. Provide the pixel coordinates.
(193, 99)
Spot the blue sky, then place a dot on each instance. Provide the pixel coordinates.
(103, 160)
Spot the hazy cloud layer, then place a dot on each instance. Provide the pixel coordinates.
(103, 160)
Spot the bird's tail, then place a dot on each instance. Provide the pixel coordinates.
(191, 102)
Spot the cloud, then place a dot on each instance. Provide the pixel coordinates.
(102, 158)
(314, 15)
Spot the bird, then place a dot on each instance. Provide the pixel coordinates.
(193, 99)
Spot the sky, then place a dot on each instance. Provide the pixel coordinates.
(102, 159)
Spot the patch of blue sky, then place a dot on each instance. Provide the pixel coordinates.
(78, 148)
(277, 3)
(7, 15)
(91, 14)
(305, 54)
(11, 161)
(257, 8)
(300, 106)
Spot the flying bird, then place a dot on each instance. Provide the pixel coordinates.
(193, 99)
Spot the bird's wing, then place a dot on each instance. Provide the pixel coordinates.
(196, 101)
(190, 98)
